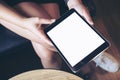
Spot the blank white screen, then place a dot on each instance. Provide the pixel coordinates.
(75, 39)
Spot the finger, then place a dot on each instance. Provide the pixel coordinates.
(47, 21)
(87, 16)
(40, 34)
(41, 20)
(84, 12)
(20, 31)
(44, 38)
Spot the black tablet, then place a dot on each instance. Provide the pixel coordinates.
(75, 39)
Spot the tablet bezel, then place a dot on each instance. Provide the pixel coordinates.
(88, 58)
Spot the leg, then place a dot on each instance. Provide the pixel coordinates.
(52, 10)
(48, 10)
(50, 59)
(31, 9)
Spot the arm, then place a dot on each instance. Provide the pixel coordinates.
(29, 28)
(10, 15)
(79, 6)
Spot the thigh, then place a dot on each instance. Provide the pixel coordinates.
(42, 10)
(32, 9)
(52, 9)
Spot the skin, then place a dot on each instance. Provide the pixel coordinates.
(32, 29)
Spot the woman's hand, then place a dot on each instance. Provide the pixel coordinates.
(31, 28)
(79, 6)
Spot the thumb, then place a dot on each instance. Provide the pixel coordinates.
(87, 16)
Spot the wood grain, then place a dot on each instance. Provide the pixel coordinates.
(107, 21)
(46, 74)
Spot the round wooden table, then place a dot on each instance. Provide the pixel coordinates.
(45, 74)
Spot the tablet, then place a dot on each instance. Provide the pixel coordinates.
(75, 39)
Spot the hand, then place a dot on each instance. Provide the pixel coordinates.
(31, 29)
(79, 6)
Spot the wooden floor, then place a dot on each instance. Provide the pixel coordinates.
(107, 21)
